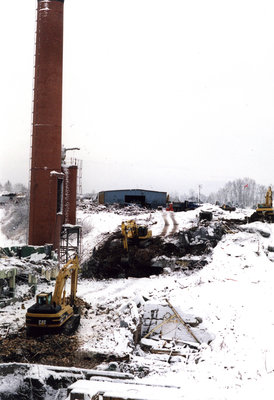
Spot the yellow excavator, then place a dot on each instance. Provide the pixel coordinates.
(134, 232)
(56, 310)
(264, 211)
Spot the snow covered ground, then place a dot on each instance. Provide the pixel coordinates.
(233, 294)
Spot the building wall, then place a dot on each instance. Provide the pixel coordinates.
(148, 198)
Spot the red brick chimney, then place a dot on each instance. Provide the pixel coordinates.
(46, 191)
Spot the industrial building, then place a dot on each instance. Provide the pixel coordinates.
(144, 198)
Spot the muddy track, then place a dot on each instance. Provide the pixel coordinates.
(166, 218)
(175, 224)
(164, 231)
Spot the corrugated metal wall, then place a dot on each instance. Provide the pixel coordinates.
(137, 196)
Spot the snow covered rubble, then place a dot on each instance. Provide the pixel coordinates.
(166, 249)
(233, 294)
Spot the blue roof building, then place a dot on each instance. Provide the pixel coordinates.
(144, 198)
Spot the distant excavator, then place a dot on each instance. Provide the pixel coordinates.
(131, 231)
(57, 310)
(228, 207)
(264, 211)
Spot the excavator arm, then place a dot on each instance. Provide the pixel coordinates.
(68, 270)
(268, 198)
(123, 230)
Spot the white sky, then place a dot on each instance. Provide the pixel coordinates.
(163, 95)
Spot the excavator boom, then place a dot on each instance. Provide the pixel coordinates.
(68, 270)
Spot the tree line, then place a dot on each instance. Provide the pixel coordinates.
(9, 187)
(242, 193)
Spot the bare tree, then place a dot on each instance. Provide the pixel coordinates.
(19, 187)
(243, 192)
(174, 196)
(8, 186)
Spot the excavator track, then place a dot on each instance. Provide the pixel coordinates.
(262, 217)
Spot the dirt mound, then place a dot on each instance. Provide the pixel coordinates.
(41, 349)
(51, 349)
(111, 261)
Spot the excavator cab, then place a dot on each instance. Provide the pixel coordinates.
(44, 305)
(142, 232)
(44, 299)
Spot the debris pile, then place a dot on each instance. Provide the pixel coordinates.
(107, 260)
(197, 241)
(40, 382)
(44, 349)
(167, 329)
(114, 331)
(117, 390)
(89, 206)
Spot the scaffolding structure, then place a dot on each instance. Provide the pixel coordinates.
(71, 242)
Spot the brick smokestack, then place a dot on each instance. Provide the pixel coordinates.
(46, 191)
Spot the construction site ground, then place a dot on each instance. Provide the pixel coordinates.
(221, 270)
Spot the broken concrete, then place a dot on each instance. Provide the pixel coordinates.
(166, 327)
(115, 390)
(52, 383)
(7, 278)
(205, 215)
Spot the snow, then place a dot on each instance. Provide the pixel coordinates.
(37, 257)
(233, 294)
(125, 391)
(55, 172)
(4, 241)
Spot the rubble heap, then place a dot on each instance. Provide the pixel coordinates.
(107, 261)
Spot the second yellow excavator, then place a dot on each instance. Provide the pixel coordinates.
(264, 211)
(131, 231)
(55, 310)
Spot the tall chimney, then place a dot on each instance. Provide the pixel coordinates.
(46, 190)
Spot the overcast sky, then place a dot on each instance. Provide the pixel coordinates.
(161, 95)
